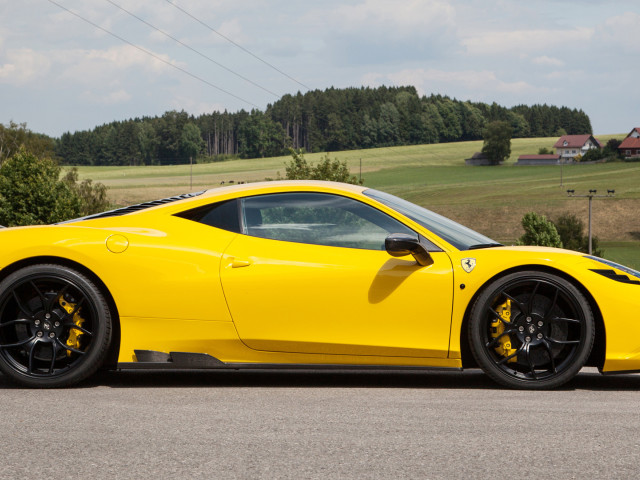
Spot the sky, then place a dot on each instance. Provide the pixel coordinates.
(60, 73)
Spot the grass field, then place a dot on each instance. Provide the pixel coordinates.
(491, 200)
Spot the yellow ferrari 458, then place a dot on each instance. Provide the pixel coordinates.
(303, 275)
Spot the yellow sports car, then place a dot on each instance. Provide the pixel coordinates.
(303, 275)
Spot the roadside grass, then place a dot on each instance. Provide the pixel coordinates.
(625, 253)
(491, 200)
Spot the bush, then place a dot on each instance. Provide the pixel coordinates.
(92, 196)
(327, 169)
(31, 192)
(571, 231)
(539, 231)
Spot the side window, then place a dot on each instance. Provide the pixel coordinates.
(223, 215)
(318, 219)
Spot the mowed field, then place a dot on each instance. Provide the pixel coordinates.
(491, 200)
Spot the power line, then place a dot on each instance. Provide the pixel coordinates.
(192, 49)
(157, 57)
(237, 45)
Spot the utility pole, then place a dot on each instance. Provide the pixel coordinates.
(190, 173)
(592, 193)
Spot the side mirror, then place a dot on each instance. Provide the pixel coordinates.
(401, 244)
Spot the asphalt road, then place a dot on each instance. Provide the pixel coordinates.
(273, 425)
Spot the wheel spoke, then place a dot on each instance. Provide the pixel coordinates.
(32, 351)
(43, 299)
(518, 303)
(19, 321)
(550, 353)
(54, 353)
(498, 316)
(568, 320)
(67, 347)
(22, 308)
(494, 343)
(56, 298)
(18, 344)
(552, 306)
(531, 297)
(563, 342)
(83, 330)
(506, 359)
(76, 308)
(527, 354)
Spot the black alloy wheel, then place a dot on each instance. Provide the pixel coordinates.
(55, 326)
(531, 330)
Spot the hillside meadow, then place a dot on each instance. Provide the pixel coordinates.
(491, 200)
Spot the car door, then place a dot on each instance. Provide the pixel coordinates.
(310, 275)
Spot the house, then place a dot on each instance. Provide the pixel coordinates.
(548, 159)
(570, 146)
(630, 146)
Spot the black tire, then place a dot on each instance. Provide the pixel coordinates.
(542, 342)
(55, 326)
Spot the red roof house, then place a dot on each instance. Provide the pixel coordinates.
(630, 146)
(570, 146)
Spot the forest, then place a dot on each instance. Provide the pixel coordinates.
(317, 121)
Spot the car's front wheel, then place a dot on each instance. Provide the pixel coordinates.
(531, 330)
(55, 326)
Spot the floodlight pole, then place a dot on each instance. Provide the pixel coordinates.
(592, 193)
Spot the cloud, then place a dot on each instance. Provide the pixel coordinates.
(23, 66)
(621, 32)
(522, 42)
(399, 19)
(193, 106)
(461, 83)
(548, 61)
(377, 31)
(100, 97)
(96, 66)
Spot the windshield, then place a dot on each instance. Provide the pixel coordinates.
(459, 236)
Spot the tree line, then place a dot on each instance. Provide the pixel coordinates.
(316, 121)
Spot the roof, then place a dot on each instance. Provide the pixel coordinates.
(629, 143)
(574, 141)
(539, 157)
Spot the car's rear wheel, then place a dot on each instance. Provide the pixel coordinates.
(55, 326)
(531, 330)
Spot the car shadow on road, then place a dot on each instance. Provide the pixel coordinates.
(588, 379)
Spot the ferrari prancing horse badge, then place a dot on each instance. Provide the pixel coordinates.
(468, 264)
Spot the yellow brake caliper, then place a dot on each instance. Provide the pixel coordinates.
(74, 334)
(497, 327)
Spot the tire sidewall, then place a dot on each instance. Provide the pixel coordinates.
(101, 335)
(478, 322)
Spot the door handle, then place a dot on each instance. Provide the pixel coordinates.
(239, 263)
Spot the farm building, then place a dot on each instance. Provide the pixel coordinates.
(570, 146)
(630, 146)
(548, 159)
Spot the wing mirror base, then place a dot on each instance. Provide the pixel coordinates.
(402, 244)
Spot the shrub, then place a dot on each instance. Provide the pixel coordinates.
(539, 231)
